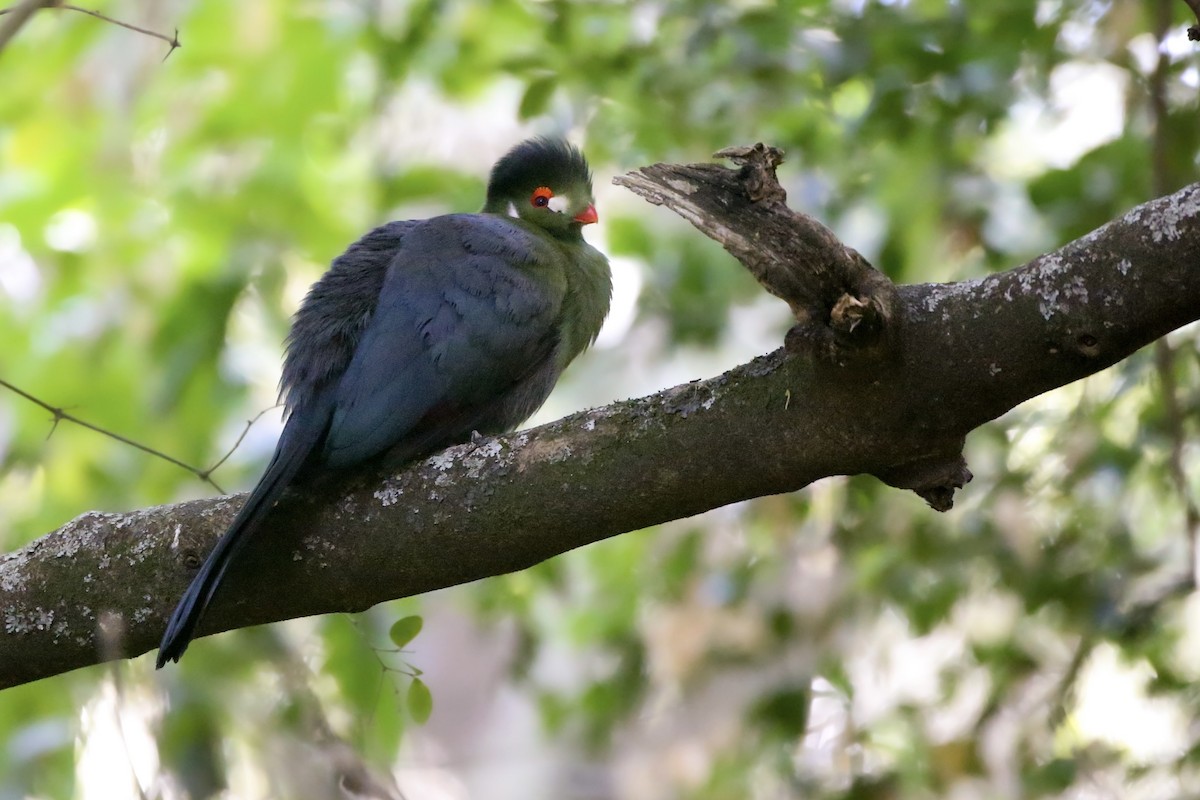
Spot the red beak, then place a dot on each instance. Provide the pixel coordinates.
(588, 215)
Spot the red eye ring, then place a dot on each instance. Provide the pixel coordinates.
(541, 196)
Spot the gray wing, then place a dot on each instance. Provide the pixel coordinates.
(334, 315)
(467, 316)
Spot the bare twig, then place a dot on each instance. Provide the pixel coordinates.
(203, 474)
(17, 17)
(17, 11)
(60, 414)
(172, 40)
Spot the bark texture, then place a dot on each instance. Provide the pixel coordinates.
(875, 379)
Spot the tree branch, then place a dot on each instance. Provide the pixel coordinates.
(1193, 31)
(17, 16)
(960, 355)
(22, 13)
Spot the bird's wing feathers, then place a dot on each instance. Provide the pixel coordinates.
(468, 310)
(335, 313)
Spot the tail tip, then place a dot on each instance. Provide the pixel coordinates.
(172, 647)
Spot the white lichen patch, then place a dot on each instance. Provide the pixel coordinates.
(68, 546)
(389, 495)
(1124, 265)
(1045, 281)
(145, 544)
(133, 519)
(36, 619)
(1164, 219)
(223, 506)
(12, 571)
(476, 458)
(1048, 266)
(444, 460)
(483, 456)
(1131, 217)
(1076, 290)
(78, 533)
(975, 290)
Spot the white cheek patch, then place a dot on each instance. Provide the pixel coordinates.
(559, 203)
(512, 209)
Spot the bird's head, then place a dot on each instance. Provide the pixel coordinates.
(546, 182)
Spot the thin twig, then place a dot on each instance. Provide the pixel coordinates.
(249, 424)
(60, 414)
(18, 16)
(173, 40)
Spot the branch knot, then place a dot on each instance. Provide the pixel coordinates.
(757, 173)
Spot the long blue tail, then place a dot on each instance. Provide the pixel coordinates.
(296, 444)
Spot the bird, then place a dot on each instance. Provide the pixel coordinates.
(426, 333)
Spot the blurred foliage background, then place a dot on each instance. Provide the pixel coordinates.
(160, 220)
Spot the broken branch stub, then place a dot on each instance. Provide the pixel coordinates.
(845, 309)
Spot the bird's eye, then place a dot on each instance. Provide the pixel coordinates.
(541, 196)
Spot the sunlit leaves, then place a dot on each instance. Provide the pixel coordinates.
(404, 630)
(537, 96)
(420, 701)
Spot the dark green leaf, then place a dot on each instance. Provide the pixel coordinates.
(404, 630)
(420, 701)
(537, 96)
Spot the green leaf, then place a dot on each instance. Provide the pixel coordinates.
(420, 701)
(537, 96)
(405, 629)
(784, 712)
